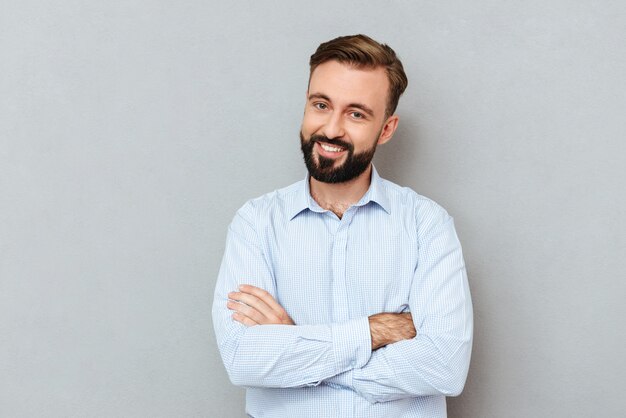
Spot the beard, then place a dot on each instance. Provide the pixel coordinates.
(323, 169)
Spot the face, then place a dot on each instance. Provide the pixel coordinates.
(344, 121)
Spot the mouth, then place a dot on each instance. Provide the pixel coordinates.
(329, 151)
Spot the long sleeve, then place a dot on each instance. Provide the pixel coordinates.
(436, 361)
(277, 355)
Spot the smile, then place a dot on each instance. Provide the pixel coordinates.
(330, 148)
(329, 151)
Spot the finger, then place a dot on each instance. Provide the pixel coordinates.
(264, 302)
(242, 319)
(263, 295)
(254, 302)
(247, 311)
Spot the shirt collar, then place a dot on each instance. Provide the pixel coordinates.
(376, 193)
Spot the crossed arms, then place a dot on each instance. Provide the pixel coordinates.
(382, 357)
(254, 306)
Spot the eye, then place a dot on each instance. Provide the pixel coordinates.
(320, 106)
(357, 115)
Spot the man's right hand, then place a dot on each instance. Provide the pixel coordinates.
(388, 328)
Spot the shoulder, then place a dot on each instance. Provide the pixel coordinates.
(271, 205)
(423, 212)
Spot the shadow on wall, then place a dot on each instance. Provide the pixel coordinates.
(395, 159)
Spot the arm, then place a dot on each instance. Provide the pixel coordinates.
(254, 306)
(276, 355)
(433, 362)
(436, 361)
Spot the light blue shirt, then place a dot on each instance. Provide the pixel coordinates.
(393, 251)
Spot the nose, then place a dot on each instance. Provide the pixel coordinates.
(333, 128)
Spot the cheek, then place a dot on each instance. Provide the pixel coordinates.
(363, 139)
(311, 123)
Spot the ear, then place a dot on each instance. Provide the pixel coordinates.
(388, 130)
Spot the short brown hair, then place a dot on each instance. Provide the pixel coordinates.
(364, 52)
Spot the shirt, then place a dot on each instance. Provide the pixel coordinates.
(393, 251)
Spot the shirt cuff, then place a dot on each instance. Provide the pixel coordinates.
(352, 343)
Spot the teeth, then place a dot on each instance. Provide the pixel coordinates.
(331, 149)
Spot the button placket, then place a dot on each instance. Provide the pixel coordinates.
(341, 299)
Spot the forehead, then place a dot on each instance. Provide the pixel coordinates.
(344, 83)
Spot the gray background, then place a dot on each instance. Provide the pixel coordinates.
(131, 131)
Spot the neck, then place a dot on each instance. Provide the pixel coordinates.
(338, 197)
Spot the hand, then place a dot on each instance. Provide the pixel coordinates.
(388, 328)
(255, 306)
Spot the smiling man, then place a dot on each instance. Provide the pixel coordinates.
(345, 295)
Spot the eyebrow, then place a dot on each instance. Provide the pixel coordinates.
(360, 106)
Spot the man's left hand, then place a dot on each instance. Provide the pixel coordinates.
(255, 306)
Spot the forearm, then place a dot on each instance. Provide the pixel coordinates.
(431, 363)
(410, 368)
(421, 366)
(256, 307)
(275, 355)
(291, 356)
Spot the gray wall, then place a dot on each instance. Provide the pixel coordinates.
(131, 131)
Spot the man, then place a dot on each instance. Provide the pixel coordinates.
(345, 295)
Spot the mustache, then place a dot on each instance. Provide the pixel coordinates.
(334, 141)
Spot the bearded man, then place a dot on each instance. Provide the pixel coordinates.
(345, 295)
